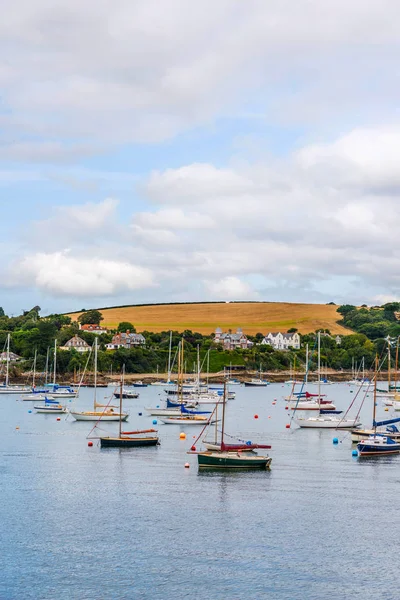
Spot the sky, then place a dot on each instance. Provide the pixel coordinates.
(183, 151)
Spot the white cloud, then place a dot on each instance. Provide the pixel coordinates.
(62, 274)
(231, 288)
(123, 71)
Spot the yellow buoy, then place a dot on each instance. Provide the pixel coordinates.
(182, 436)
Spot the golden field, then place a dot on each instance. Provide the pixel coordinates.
(204, 318)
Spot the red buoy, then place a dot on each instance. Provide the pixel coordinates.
(256, 416)
(193, 448)
(286, 408)
(58, 418)
(90, 444)
(288, 426)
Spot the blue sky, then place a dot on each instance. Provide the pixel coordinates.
(196, 151)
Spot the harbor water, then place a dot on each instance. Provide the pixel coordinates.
(81, 522)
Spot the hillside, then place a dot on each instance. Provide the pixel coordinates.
(252, 317)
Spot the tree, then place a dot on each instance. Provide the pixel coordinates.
(90, 317)
(126, 326)
(292, 330)
(2, 313)
(346, 309)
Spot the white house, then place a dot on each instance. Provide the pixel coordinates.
(230, 340)
(77, 344)
(282, 341)
(93, 328)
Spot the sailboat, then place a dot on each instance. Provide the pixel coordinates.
(108, 413)
(325, 421)
(230, 456)
(257, 382)
(378, 444)
(129, 439)
(50, 407)
(184, 416)
(6, 388)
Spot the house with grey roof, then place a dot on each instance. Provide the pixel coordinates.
(126, 340)
(282, 341)
(232, 341)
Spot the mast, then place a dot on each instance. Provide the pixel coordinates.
(95, 374)
(223, 417)
(169, 357)
(120, 408)
(55, 362)
(306, 364)
(319, 369)
(47, 366)
(389, 374)
(198, 367)
(34, 368)
(208, 365)
(374, 409)
(395, 366)
(8, 360)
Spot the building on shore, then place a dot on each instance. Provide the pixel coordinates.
(126, 340)
(282, 341)
(232, 341)
(12, 357)
(76, 343)
(93, 328)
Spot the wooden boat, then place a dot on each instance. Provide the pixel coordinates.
(181, 419)
(129, 439)
(226, 457)
(230, 460)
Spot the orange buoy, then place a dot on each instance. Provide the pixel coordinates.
(17, 428)
(187, 465)
(273, 404)
(182, 436)
(90, 444)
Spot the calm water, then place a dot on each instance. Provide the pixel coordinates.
(85, 523)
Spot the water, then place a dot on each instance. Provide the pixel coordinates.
(84, 523)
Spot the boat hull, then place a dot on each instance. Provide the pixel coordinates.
(126, 442)
(360, 434)
(377, 446)
(229, 460)
(46, 410)
(93, 416)
(185, 421)
(321, 423)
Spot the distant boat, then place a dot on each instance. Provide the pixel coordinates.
(108, 413)
(6, 388)
(324, 420)
(126, 394)
(50, 407)
(139, 384)
(256, 383)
